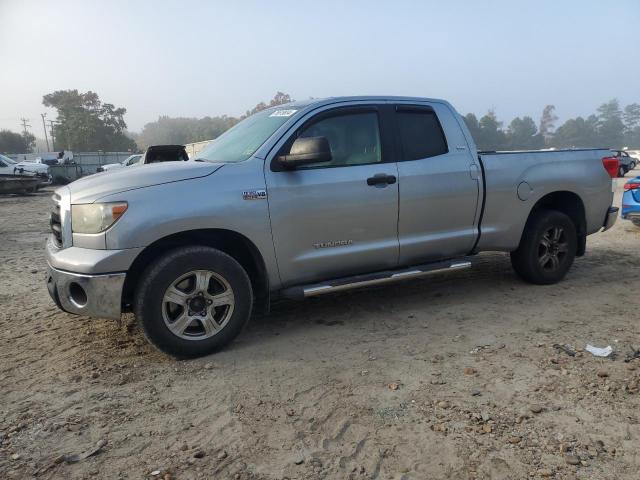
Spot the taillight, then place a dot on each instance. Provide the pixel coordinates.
(611, 165)
(632, 186)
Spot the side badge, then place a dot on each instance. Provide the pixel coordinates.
(254, 195)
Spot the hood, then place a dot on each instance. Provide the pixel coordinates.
(92, 188)
(109, 166)
(33, 167)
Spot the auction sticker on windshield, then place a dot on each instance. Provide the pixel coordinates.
(283, 113)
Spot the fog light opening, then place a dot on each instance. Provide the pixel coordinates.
(77, 295)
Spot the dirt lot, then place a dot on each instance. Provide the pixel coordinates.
(454, 376)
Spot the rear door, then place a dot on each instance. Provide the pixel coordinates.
(339, 218)
(439, 184)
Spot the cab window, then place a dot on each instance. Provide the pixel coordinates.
(420, 133)
(354, 139)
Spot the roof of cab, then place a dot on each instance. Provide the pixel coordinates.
(361, 98)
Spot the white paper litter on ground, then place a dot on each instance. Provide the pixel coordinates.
(599, 352)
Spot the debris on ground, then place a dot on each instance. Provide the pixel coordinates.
(86, 454)
(599, 352)
(568, 349)
(635, 353)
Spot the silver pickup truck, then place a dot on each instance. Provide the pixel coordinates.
(311, 198)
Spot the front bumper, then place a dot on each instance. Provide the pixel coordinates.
(92, 295)
(610, 219)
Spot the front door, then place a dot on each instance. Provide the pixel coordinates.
(337, 218)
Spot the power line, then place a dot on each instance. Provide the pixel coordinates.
(45, 130)
(25, 125)
(53, 138)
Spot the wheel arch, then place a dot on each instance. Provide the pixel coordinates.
(571, 205)
(238, 246)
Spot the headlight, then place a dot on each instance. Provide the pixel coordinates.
(95, 217)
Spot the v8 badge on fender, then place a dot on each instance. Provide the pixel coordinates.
(254, 195)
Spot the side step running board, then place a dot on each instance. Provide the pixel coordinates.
(377, 278)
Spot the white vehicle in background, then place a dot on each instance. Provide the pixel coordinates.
(22, 177)
(635, 158)
(11, 167)
(130, 161)
(63, 157)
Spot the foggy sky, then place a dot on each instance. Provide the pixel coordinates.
(191, 58)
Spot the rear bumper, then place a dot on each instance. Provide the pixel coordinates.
(631, 205)
(92, 295)
(633, 216)
(610, 219)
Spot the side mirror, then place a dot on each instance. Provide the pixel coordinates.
(305, 151)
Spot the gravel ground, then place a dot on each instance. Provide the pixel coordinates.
(454, 376)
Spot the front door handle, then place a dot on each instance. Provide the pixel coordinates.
(381, 179)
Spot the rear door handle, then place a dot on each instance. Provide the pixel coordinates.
(381, 179)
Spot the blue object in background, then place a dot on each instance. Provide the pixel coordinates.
(631, 201)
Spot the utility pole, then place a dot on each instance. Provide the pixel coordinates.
(25, 125)
(45, 130)
(53, 138)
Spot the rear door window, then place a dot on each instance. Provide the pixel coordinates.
(420, 134)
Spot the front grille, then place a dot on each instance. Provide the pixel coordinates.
(56, 224)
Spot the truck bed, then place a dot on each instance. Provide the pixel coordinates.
(514, 182)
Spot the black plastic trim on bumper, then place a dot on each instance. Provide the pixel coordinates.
(610, 218)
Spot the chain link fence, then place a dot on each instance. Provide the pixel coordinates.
(83, 164)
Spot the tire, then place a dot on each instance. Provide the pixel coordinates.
(209, 282)
(547, 248)
(621, 171)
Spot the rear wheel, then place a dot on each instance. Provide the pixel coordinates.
(547, 248)
(193, 301)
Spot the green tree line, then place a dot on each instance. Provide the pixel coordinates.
(180, 130)
(85, 123)
(11, 142)
(610, 127)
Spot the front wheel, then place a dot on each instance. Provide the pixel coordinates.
(193, 301)
(621, 171)
(547, 249)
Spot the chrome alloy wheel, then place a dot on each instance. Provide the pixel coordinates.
(552, 249)
(197, 305)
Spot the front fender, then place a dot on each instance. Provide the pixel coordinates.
(212, 202)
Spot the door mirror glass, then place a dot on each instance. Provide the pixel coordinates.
(306, 150)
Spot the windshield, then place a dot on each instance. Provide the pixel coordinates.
(240, 142)
(8, 160)
(131, 160)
